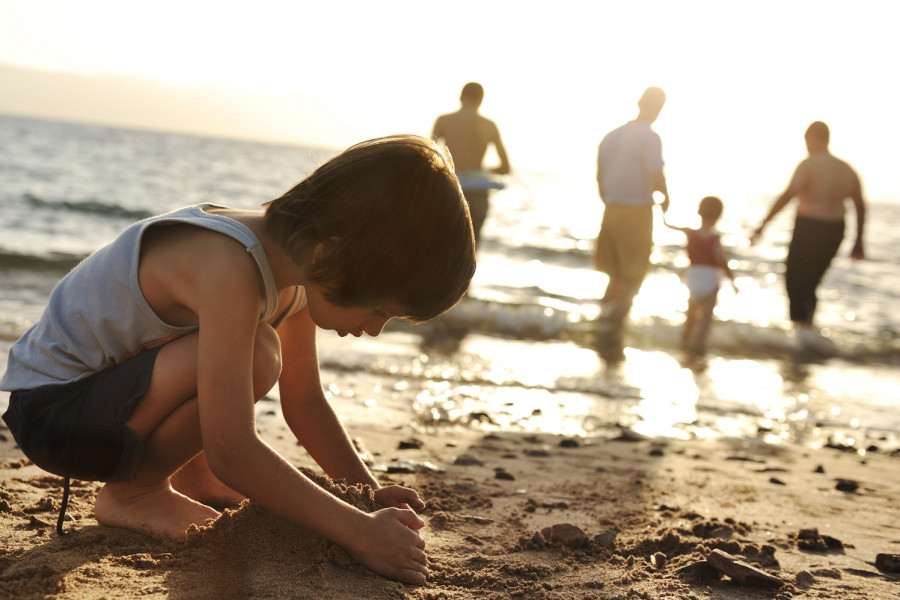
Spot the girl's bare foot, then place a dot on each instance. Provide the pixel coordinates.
(159, 511)
(195, 480)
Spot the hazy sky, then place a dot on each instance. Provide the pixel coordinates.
(744, 78)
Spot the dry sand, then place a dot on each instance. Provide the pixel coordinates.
(509, 516)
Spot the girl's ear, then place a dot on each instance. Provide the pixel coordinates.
(322, 249)
(318, 252)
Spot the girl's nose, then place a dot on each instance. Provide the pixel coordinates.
(376, 326)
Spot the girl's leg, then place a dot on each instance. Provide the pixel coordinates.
(690, 321)
(167, 421)
(196, 480)
(704, 311)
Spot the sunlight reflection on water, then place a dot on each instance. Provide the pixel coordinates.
(555, 387)
(569, 391)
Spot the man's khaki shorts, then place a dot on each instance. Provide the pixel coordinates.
(623, 246)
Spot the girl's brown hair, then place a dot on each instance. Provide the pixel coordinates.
(392, 223)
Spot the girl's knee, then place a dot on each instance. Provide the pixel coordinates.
(266, 360)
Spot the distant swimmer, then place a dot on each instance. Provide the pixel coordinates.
(467, 135)
(822, 183)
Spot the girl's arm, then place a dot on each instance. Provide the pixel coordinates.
(314, 422)
(227, 302)
(722, 258)
(683, 230)
(305, 408)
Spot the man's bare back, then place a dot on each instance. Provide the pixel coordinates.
(823, 183)
(467, 135)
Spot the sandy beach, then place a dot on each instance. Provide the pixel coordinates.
(509, 515)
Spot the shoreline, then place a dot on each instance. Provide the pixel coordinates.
(510, 515)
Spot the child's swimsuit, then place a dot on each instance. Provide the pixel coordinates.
(704, 274)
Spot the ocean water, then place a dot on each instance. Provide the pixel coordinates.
(518, 352)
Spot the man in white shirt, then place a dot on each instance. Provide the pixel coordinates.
(629, 171)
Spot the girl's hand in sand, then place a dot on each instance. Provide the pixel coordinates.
(391, 546)
(398, 497)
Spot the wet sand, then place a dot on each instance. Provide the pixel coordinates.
(510, 515)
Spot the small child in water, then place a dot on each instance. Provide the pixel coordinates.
(708, 261)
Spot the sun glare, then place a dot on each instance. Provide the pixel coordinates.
(738, 75)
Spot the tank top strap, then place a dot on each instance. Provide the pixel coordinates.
(259, 255)
(244, 235)
(297, 304)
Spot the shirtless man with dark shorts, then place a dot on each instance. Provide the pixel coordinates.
(467, 135)
(821, 183)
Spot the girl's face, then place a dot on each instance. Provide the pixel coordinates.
(354, 321)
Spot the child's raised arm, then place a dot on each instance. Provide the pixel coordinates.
(670, 226)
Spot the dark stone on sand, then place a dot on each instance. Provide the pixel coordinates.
(776, 481)
(813, 545)
(699, 572)
(400, 468)
(566, 534)
(541, 452)
(503, 474)
(888, 563)
(810, 539)
(805, 579)
(846, 485)
(819, 469)
(569, 443)
(741, 572)
(827, 572)
(607, 538)
(656, 452)
(410, 444)
(466, 460)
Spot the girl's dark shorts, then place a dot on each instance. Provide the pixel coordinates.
(78, 429)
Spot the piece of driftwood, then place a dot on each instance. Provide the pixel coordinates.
(741, 572)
